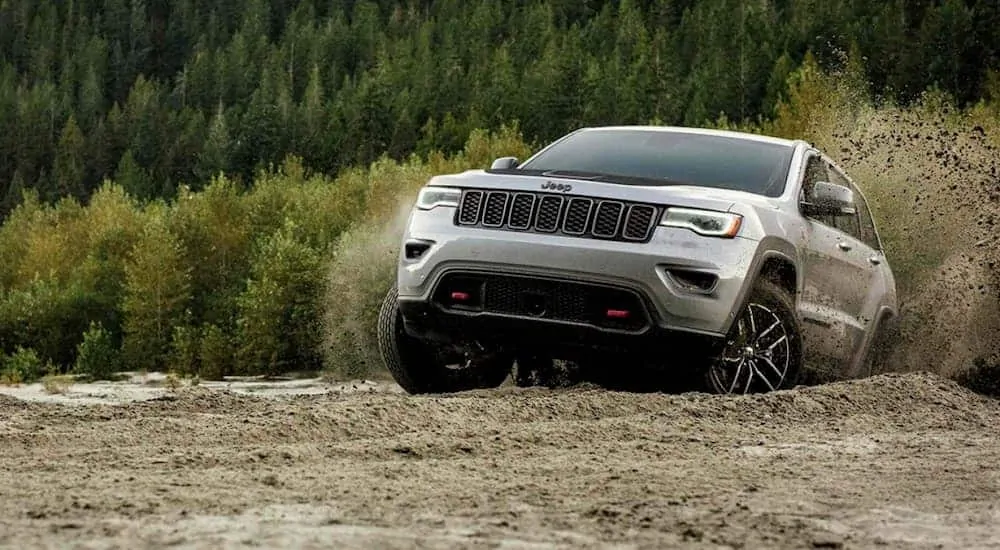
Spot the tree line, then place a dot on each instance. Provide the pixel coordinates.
(160, 93)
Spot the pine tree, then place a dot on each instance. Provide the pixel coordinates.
(133, 178)
(69, 164)
(214, 156)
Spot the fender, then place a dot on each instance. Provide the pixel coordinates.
(784, 251)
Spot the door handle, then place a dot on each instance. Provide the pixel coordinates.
(843, 246)
(874, 260)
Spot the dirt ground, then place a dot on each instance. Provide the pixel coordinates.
(898, 461)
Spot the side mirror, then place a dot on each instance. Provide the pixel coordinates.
(504, 163)
(829, 199)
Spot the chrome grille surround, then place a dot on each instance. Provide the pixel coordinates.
(574, 216)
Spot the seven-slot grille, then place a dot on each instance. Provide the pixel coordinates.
(566, 215)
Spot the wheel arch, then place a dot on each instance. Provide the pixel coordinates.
(781, 270)
(776, 260)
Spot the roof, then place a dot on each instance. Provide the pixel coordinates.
(702, 131)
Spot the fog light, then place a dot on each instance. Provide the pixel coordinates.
(415, 249)
(692, 280)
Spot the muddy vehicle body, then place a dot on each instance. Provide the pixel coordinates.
(738, 261)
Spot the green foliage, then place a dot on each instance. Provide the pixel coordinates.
(97, 357)
(47, 316)
(279, 312)
(157, 292)
(161, 94)
(216, 354)
(22, 367)
(184, 350)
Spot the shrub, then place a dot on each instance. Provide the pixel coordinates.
(24, 366)
(279, 317)
(97, 356)
(61, 269)
(184, 344)
(215, 354)
(49, 317)
(214, 235)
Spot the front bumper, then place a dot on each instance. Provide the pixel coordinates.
(563, 340)
(644, 268)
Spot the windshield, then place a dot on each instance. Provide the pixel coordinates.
(665, 157)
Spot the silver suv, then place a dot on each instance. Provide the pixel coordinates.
(740, 262)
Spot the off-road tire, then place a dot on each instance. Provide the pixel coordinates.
(534, 370)
(768, 296)
(414, 364)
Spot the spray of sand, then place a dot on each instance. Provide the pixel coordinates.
(361, 272)
(932, 177)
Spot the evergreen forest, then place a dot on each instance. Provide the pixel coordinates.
(216, 188)
(161, 93)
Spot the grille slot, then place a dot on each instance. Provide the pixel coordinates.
(577, 214)
(496, 208)
(472, 201)
(639, 220)
(573, 216)
(520, 211)
(607, 219)
(548, 214)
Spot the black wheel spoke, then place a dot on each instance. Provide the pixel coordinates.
(758, 358)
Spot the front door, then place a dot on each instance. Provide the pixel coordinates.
(837, 275)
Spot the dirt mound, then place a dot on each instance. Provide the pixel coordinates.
(7, 401)
(876, 462)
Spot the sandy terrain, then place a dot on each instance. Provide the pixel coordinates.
(899, 461)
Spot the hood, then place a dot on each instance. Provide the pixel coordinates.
(688, 196)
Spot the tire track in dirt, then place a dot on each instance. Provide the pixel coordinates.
(896, 461)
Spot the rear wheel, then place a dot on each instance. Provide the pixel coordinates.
(763, 351)
(427, 367)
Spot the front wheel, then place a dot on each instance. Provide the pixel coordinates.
(425, 367)
(763, 351)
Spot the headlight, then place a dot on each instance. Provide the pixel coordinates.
(703, 222)
(432, 197)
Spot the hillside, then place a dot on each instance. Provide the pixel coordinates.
(223, 269)
(159, 93)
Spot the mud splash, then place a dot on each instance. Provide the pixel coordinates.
(932, 177)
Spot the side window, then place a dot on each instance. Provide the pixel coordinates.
(848, 224)
(868, 235)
